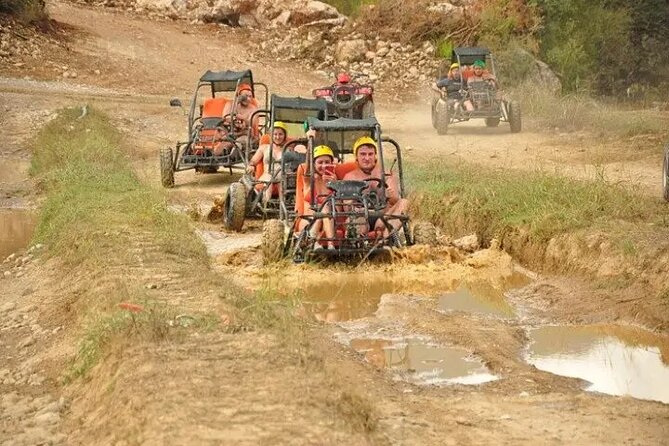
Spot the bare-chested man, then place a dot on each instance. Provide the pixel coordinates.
(243, 108)
(366, 156)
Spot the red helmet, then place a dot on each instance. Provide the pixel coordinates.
(343, 78)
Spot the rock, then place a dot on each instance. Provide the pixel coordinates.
(469, 243)
(370, 55)
(545, 77)
(7, 307)
(7, 274)
(350, 50)
(47, 418)
(283, 19)
(97, 72)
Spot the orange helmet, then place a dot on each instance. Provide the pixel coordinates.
(244, 87)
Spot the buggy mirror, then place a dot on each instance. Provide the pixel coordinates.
(175, 102)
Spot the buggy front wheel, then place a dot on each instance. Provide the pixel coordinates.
(424, 233)
(235, 207)
(272, 241)
(514, 115)
(441, 118)
(166, 167)
(665, 173)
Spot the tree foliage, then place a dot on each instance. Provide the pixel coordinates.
(605, 45)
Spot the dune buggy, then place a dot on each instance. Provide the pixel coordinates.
(347, 203)
(245, 197)
(485, 97)
(347, 98)
(208, 127)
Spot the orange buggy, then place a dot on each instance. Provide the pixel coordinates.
(209, 127)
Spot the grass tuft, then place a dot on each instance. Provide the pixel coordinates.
(576, 112)
(92, 192)
(493, 202)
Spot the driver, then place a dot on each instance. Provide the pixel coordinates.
(480, 74)
(366, 156)
(242, 108)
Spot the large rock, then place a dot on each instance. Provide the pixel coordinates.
(544, 76)
(227, 11)
(312, 11)
(350, 50)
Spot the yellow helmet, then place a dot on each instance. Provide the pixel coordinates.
(455, 65)
(323, 150)
(281, 125)
(363, 141)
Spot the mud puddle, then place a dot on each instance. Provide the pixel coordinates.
(16, 230)
(614, 360)
(418, 361)
(477, 299)
(346, 297)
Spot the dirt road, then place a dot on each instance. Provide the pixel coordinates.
(386, 337)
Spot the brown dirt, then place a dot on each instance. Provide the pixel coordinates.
(239, 387)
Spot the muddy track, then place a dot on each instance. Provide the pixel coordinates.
(376, 332)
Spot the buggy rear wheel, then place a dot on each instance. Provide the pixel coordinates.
(272, 241)
(235, 207)
(514, 116)
(441, 118)
(491, 122)
(665, 173)
(424, 233)
(166, 168)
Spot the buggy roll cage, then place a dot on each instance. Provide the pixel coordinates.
(224, 81)
(469, 55)
(341, 126)
(290, 110)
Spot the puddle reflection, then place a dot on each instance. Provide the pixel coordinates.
(477, 298)
(615, 360)
(354, 296)
(421, 362)
(16, 230)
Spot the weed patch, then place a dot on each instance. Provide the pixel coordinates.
(92, 193)
(575, 112)
(491, 203)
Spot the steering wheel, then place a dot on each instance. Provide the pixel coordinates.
(378, 180)
(291, 144)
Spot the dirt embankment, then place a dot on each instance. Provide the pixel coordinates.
(202, 362)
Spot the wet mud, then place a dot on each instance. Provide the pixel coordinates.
(16, 230)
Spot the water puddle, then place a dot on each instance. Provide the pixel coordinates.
(345, 297)
(477, 298)
(16, 230)
(418, 361)
(615, 360)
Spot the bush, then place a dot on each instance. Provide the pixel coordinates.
(24, 10)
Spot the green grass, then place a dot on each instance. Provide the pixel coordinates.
(577, 112)
(463, 198)
(94, 202)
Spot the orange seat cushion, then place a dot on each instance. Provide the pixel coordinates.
(341, 170)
